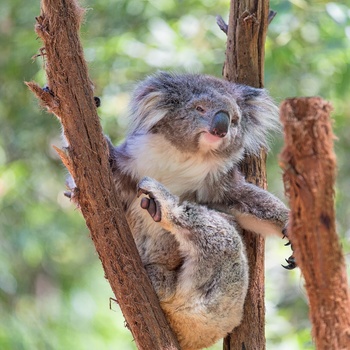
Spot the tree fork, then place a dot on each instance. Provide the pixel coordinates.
(244, 64)
(70, 98)
(309, 164)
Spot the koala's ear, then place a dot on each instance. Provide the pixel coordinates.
(144, 106)
(146, 90)
(259, 117)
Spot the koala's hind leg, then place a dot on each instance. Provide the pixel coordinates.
(214, 256)
(160, 203)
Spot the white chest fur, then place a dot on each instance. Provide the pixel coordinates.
(152, 155)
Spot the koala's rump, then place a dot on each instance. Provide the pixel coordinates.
(195, 327)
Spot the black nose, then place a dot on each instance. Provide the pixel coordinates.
(220, 124)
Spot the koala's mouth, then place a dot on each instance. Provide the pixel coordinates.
(210, 138)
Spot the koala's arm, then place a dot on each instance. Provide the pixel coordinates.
(255, 209)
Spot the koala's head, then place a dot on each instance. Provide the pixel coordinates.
(199, 113)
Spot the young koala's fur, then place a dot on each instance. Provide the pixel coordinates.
(186, 137)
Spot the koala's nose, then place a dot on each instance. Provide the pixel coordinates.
(220, 124)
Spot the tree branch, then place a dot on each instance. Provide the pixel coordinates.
(248, 22)
(309, 165)
(70, 98)
(222, 24)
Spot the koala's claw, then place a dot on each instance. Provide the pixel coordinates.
(48, 90)
(68, 194)
(291, 263)
(284, 236)
(150, 204)
(97, 101)
(73, 195)
(291, 260)
(284, 232)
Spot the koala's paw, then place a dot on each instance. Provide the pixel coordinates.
(291, 260)
(158, 202)
(150, 204)
(72, 190)
(97, 101)
(291, 263)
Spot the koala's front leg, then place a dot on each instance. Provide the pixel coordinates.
(261, 212)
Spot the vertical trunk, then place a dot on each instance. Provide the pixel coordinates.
(248, 22)
(70, 98)
(309, 167)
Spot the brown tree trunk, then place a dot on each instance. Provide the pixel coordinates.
(246, 33)
(70, 98)
(309, 167)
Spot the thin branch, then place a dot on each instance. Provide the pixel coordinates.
(272, 15)
(222, 24)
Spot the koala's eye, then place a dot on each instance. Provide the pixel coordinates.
(200, 109)
(235, 119)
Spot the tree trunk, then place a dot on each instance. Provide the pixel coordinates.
(248, 22)
(70, 98)
(309, 167)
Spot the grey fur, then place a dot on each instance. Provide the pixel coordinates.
(194, 255)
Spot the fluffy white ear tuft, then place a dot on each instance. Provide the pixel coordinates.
(145, 111)
(260, 116)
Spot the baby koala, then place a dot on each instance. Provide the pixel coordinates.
(186, 137)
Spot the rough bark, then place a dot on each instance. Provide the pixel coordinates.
(70, 98)
(309, 165)
(246, 33)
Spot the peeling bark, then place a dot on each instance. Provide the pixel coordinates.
(70, 98)
(309, 164)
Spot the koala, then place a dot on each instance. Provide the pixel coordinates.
(187, 135)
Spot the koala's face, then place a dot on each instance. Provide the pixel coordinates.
(203, 114)
(200, 118)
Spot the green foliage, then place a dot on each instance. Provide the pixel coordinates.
(52, 291)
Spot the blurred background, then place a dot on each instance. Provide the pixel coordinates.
(53, 294)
